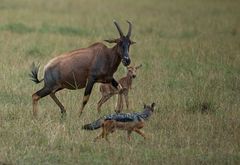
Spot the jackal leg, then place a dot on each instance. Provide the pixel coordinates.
(140, 133)
(129, 134)
(98, 137)
(109, 126)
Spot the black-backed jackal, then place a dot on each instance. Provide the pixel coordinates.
(122, 121)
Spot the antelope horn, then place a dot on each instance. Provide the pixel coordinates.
(118, 28)
(129, 29)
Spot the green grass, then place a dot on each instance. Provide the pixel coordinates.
(45, 28)
(190, 51)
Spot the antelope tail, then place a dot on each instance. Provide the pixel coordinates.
(94, 125)
(34, 73)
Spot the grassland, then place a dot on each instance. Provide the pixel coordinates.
(190, 51)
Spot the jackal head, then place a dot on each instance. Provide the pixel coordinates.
(149, 107)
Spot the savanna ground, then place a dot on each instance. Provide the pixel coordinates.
(190, 51)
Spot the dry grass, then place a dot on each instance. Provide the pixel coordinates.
(190, 51)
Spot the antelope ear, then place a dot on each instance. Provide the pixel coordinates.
(133, 42)
(112, 40)
(139, 66)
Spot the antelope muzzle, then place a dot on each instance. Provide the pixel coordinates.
(126, 61)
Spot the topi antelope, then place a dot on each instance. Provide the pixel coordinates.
(107, 90)
(82, 68)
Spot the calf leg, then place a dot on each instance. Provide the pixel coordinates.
(37, 96)
(87, 93)
(102, 101)
(119, 106)
(126, 99)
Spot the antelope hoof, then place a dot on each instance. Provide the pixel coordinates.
(63, 114)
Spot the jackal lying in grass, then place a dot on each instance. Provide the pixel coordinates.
(123, 121)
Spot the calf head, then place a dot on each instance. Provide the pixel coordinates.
(132, 71)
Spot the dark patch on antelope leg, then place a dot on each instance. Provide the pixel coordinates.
(117, 85)
(114, 83)
(37, 96)
(87, 93)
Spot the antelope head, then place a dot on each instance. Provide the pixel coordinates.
(123, 43)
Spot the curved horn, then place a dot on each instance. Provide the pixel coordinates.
(119, 30)
(129, 29)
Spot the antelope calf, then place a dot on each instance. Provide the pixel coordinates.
(107, 90)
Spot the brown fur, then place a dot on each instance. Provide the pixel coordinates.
(83, 68)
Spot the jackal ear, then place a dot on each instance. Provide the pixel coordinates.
(153, 105)
(113, 40)
(144, 105)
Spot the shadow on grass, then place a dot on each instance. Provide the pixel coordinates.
(17, 28)
(204, 107)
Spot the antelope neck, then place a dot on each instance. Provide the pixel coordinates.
(116, 57)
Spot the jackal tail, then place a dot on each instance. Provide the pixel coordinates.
(94, 125)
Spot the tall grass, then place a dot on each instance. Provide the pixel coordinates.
(190, 51)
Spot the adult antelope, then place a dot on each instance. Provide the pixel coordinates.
(82, 68)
